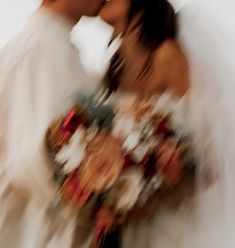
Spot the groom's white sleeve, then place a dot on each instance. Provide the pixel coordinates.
(31, 92)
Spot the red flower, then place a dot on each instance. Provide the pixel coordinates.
(72, 121)
(128, 161)
(75, 192)
(163, 126)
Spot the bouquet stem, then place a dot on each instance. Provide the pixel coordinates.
(111, 239)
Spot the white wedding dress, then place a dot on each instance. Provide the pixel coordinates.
(207, 219)
(167, 226)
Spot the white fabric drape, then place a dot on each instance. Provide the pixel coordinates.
(40, 72)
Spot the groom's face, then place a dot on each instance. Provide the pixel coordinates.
(115, 13)
(87, 7)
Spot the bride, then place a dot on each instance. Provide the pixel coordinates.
(149, 62)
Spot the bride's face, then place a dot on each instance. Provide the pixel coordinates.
(115, 13)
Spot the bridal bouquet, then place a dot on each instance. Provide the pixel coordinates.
(114, 158)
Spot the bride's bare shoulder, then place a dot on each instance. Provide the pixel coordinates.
(171, 61)
(171, 51)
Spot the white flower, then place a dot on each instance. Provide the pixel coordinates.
(142, 150)
(127, 189)
(147, 129)
(123, 126)
(152, 186)
(132, 140)
(72, 154)
(157, 180)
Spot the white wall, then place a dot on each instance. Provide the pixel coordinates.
(13, 14)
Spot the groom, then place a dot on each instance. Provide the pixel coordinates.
(40, 71)
(74, 9)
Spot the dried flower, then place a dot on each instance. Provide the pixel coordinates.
(53, 136)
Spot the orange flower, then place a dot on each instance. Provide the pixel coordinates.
(53, 136)
(102, 167)
(170, 162)
(61, 130)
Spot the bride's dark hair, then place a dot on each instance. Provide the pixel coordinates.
(157, 22)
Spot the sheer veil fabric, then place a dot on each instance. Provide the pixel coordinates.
(207, 34)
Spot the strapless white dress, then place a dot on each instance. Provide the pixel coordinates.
(203, 219)
(207, 219)
(167, 227)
